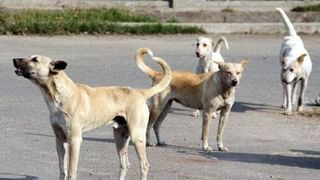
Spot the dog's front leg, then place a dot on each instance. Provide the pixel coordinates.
(284, 102)
(62, 149)
(304, 83)
(225, 111)
(206, 122)
(74, 150)
(294, 93)
(288, 89)
(62, 156)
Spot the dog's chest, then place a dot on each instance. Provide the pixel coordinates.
(58, 118)
(56, 114)
(220, 101)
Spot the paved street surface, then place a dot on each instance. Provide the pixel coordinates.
(263, 143)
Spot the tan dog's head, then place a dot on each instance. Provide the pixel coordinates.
(293, 71)
(204, 46)
(231, 72)
(37, 68)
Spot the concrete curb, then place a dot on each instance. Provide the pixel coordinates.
(255, 28)
(246, 28)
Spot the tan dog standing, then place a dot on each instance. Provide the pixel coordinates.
(77, 108)
(209, 92)
(209, 58)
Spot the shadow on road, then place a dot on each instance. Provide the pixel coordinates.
(84, 138)
(292, 161)
(306, 152)
(239, 107)
(247, 106)
(8, 176)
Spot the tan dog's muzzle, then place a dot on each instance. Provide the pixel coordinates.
(20, 65)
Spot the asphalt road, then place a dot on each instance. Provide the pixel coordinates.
(263, 143)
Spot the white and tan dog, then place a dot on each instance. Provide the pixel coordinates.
(209, 92)
(296, 66)
(77, 108)
(209, 58)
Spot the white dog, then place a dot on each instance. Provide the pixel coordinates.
(296, 66)
(209, 58)
(209, 55)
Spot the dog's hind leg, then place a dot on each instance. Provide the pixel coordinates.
(157, 105)
(140, 146)
(158, 122)
(122, 138)
(138, 126)
(223, 118)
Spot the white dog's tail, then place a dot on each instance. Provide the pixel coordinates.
(289, 26)
(165, 76)
(222, 39)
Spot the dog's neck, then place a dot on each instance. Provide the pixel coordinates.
(57, 88)
(226, 90)
(207, 58)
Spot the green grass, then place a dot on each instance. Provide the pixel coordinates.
(89, 21)
(172, 20)
(227, 10)
(315, 8)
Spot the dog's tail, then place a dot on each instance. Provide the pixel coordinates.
(289, 26)
(166, 75)
(222, 39)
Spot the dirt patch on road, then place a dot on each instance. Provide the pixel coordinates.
(313, 112)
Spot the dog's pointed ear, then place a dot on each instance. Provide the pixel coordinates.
(58, 65)
(220, 64)
(212, 43)
(244, 62)
(301, 58)
(284, 62)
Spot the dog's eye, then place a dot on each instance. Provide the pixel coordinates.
(229, 73)
(204, 45)
(238, 73)
(291, 70)
(197, 44)
(34, 59)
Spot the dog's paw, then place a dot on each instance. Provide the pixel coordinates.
(162, 143)
(196, 113)
(283, 106)
(288, 113)
(300, 109)
(223, 149)
(207, 149)
(150, 144)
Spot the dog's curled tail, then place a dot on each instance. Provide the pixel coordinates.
(166, 75)
(222, 39)
(140, 62)
(289, 26)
